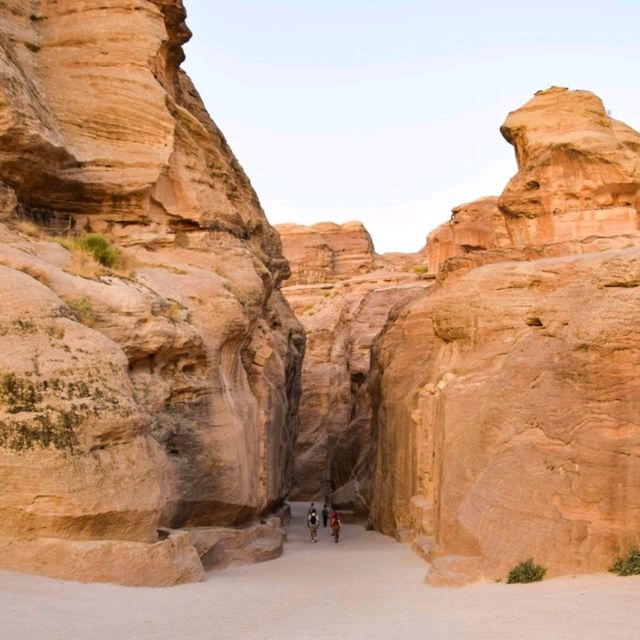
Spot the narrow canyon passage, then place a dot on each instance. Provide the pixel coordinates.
(367, 586)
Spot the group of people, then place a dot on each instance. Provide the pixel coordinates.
(329, 516)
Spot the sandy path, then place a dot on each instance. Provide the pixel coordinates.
(367, 586)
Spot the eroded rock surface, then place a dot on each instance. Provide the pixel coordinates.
(161, 395)
(474, 227)
(327, 252)
(576, 189)
(578, 174)
(342, 291)
(506, 396)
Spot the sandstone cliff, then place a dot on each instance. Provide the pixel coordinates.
(505, 396)
(342, 291)
(475, 227)
(577, 177)
(160, 395)
(576, 189)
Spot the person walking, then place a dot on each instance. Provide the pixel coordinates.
(325, 515)
(312, 522)
(312, 507)
(334, 523)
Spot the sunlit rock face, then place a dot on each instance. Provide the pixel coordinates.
(342, 291)
(474, 227)
(578, 176)
(576, 189)
(505, 397)
(163, 396)
(327, 252)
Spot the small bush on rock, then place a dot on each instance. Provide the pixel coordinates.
(100, 248)
(628, 565)
(526, 572)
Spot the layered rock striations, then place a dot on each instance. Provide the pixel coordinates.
(342, 291)
(327, 252)
(505, 396)
(576, 189)
(578, 177)
(160, 395)
(475, 227)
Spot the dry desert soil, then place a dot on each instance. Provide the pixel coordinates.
(367, 586)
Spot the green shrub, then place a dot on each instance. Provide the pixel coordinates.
(526, 572)
(628, 565)
(100, 248)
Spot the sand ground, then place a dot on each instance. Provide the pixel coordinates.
(366, 586)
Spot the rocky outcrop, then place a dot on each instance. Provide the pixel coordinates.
(474, 227)
(576, 190)
(578, 174)
(504, 397)
(160, 393)
(327, 252)
(343, 300)
(221, 547)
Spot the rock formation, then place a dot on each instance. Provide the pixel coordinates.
(576, 190)
(577, 177)
(327, 252)
(506, 396)
(162, 394)
(342, 291)
(474, 227)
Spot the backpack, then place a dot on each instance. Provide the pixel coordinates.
(313, 518)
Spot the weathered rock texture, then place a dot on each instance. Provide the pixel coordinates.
(221, 547)
(327, 252)
(474, 227)
(578, 175)
(165, 396)
(506, 396)
(342, 292)
(576, 190)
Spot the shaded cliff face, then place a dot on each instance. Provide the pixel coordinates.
(166, 396)
(505, 396)
(342, 291)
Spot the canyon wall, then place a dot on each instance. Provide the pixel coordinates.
(161, 393)
(342, 291)
(505, 397)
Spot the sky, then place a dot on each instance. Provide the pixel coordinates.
(388, 111)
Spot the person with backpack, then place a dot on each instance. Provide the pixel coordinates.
(325, 515)
(334, 523)
(312, 522)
